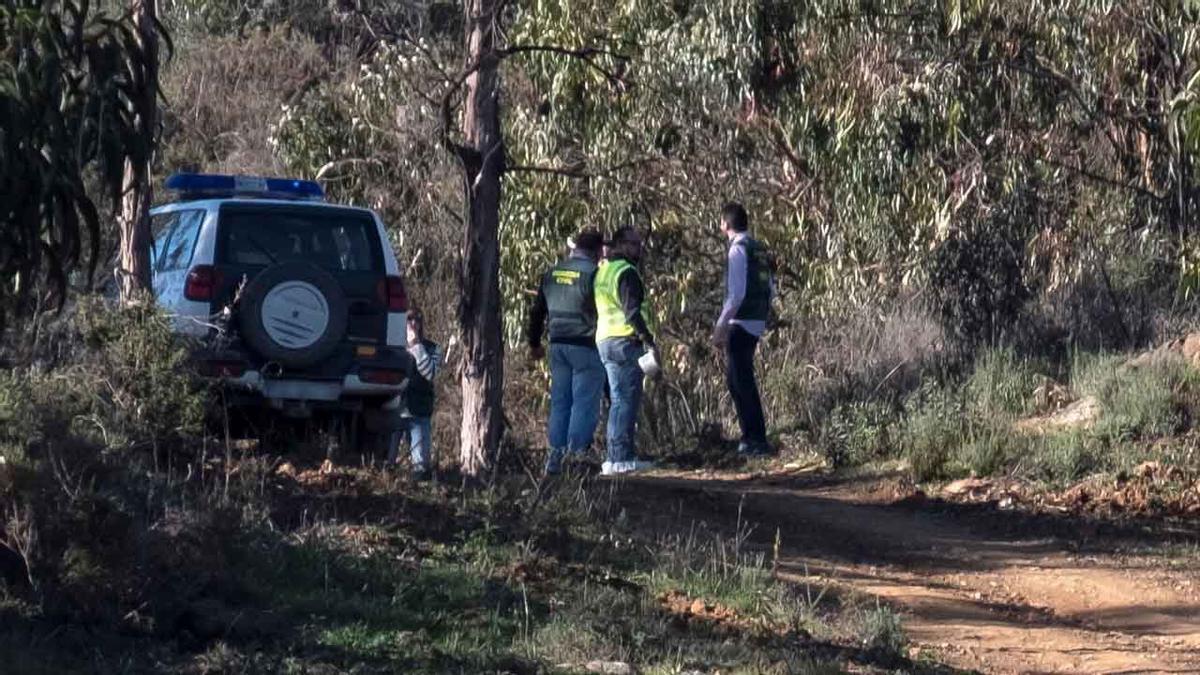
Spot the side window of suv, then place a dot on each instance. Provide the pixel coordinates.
(160, 228)
(177, 253)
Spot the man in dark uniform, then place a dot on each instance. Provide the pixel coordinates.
(566, 300)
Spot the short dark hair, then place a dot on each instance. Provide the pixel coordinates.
(734, 214)
(589, 239)
(621, 234)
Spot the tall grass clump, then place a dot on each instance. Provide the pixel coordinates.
(1139, 401)
(857, 432)
(937, 425)
(1002, 383)
(718, 569)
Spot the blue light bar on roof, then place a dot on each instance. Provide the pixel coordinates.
(215, 186)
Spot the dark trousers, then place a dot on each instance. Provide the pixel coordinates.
(743, 388)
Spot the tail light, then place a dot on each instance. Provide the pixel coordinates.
(222, 368)
(391, 292)
(201, 284)
(382, 376)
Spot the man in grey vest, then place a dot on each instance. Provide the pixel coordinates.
(566, 300)
(742, 322)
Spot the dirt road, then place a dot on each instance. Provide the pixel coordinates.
(982, 588)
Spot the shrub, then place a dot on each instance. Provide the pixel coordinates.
(937, 424)
(858, 432)
(991, 451)
(977, 277)
(1149, 400)
(84, 432)
(1062, 458)
(1002, 383)
(882, 631)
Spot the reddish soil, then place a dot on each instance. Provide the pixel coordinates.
(980, 587)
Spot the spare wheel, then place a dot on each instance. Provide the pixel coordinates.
(294, 314)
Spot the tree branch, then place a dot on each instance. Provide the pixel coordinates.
(585, 54)
(1105, 180)
(569, 172)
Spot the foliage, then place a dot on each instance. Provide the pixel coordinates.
(126, 386)
(1150, 400)
(859, 432)
(71, 74)
(937, 424)
(1010, 169)
(1003, 383)
(882, 630)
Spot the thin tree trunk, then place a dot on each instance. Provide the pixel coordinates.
(479, 309)
(137, 192)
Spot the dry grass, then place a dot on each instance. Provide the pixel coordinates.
(224, 93)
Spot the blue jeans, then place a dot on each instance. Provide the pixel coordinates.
(576, 381)
(420, 441)
(620, 356)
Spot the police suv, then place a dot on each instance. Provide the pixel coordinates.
(298, 304)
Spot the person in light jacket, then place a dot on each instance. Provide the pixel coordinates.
(417, 416)
(743, 319)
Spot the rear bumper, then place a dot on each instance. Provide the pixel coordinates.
(309, 390)
(256, 383)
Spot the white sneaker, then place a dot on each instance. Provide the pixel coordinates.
(614, 468)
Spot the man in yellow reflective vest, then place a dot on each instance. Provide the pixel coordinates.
(622, 336)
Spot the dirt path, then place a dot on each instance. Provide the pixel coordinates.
(983, 589)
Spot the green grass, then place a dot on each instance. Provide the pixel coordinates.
(1002, 384)
(966, 427)
(936, 426)
(881, 630)
(1154, 400)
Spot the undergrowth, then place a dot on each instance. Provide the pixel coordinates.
(133, 540)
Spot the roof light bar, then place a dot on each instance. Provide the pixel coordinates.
(215, 186)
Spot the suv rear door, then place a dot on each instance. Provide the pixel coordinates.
(342, 241)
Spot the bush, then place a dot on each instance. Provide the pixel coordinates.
(1062, 458)
(84, 432)
(1150, 400)
(1002, 384)
(882, 631)
(978, 280)
(858, 432)
(991, 451)
(936, 426)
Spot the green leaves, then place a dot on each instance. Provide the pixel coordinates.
(69, 76)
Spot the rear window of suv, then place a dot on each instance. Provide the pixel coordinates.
(338, 240)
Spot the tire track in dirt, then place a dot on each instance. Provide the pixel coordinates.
(982, 597)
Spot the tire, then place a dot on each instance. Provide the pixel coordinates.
(294, 314)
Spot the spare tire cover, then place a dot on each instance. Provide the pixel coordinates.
(294, 314)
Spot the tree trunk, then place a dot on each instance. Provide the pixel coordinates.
(137, 193)
(479, 306)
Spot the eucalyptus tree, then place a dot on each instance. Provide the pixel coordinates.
(69, 85)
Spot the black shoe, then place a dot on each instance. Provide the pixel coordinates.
(765, 449)
(422, 475)
(756, 449)
(579, 463)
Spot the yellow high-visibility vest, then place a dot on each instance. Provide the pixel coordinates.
(610, 313)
